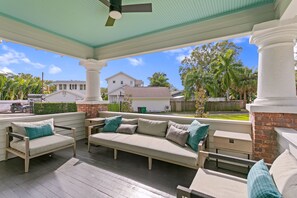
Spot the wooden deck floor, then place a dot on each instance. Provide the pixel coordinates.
(94, 174)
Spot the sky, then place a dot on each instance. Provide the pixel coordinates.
(16, 58)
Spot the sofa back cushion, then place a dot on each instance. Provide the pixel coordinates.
(184, 127)
(152, 127)
(130, 121)
(38, 131)
(197, 132)
(112, 124)
(260, 182)
(177, 135)
(19, 127)
(284, 173)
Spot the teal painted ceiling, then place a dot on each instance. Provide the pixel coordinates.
(84, 20)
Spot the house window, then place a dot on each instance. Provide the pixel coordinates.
(81, 87)
(84, 87)
(60, 86)
(75, 86)
(122, 82)
(131, 82)
(113, 82)
(65, 86)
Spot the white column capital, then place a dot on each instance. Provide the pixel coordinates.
(276, 73)
(93, 68)
(274, 33)
(92, 64)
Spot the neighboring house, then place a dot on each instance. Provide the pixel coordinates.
(64, 96)
(67, 91)
(116, 85)
(71, 85)
(155, 99)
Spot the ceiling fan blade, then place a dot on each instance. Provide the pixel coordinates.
(146, 7)
(110, 21)
(105, 2)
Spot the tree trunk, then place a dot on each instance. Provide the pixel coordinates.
(227, 94)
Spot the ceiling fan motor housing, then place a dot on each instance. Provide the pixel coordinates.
(116, 5)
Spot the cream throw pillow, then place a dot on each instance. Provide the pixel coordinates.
(284, 173)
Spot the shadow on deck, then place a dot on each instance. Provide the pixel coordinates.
(163, 177)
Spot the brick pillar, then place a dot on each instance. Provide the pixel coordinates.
(263, 135)
(91, 109)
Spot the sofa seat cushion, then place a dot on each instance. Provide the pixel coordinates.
(155, 147)
(219, 184)
(43, 144)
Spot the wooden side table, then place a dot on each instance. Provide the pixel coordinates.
(232, 141)
(92, 121)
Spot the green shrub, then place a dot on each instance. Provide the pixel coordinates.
(114, 107)
(53, 107)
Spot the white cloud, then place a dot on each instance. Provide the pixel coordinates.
(181, 53)
(12, 56)
(5, 70)
(135, 61)
(240, 39)
(53, 69)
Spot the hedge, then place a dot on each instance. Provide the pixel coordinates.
(53, 107)
(114, 107)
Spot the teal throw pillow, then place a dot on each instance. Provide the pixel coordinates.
(260, 183)
(197, 132)
(39, 131)
(112, 124)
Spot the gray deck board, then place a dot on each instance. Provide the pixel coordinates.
(94, 174)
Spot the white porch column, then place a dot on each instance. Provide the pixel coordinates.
(276, 73)
(93, 68)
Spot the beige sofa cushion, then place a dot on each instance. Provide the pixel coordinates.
(152, 127)
(43, 144)
(219, 184)
(19, 127)
(130, 121)
(284, 173)
(155, 147)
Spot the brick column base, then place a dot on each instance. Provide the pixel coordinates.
(263, 135)
(91, 109)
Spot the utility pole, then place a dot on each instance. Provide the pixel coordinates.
(42, 75)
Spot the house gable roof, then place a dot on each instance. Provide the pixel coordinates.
(120, 73)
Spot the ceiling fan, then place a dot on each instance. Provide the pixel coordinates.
(116, 9)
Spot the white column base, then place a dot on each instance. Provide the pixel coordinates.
(94, 102)
(276, 101)
(254, 108)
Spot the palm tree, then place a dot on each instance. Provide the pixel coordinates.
(226, 69)
(159, 79)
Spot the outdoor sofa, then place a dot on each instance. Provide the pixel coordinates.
(150, 138)
(32, 139)
(208, 183)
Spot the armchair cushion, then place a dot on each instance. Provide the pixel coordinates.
(284, 173)
(43, 144)
(260, 182)
(38, 131)
(19, 127)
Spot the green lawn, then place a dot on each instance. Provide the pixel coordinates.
(244, 117)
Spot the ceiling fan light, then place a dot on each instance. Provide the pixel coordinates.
(115, 14)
